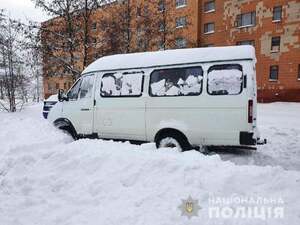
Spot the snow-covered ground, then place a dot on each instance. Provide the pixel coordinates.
(47, 179)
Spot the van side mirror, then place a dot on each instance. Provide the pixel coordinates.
(62, 96)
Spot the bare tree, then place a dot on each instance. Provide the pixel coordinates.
(117, 27)
(165, 26)
(2, 72)
(87, 8)
(146, 27)
(125, 11)
(33, 58)
(165, 17)
(135, 26)
(11, 62)
(58, 36)
(67, 38)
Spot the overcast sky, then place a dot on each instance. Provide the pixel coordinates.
(23, 9)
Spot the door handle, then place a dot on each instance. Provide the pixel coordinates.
(85, 109)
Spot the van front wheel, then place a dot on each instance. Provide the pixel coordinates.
(66, 127)
(173, 140)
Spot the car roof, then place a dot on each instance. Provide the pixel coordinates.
(171, 57)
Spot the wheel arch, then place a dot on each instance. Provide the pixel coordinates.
(65, 124)
(169, 130)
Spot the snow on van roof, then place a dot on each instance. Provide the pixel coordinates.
(171, 57)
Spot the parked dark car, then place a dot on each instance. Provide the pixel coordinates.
(48, 104)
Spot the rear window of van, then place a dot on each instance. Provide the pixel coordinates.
(225, 79)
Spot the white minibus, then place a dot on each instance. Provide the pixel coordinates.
(176, 98)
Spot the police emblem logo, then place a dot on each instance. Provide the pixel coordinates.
(189, 207)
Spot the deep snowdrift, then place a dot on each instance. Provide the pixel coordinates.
(45, 178)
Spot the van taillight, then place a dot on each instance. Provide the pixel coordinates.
(250, 111)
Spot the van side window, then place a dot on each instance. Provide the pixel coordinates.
(122, 84)
(176, 82)
(74, 91)
(86, 88)
(225, 79)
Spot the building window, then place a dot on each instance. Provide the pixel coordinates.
(209, 6)
(181, 22)
(209, 28)
(96, 55)
(94, 26)
(299, 72)
(180, 43)
(139, 31)
(161, 6)
(138, 11)
(146, 10)
(162, 27)
(94, 41)
(65, 86)
(50, 89)
(181, 3)
(247, 42)
(246, 19)
(275, 45)
(76, 58)
(277, 13)
(57, 86)
(161, 45)
(141, 44)
(274, 72)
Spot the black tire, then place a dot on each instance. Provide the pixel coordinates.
(66, 128)
(165, 140)
(69, 131)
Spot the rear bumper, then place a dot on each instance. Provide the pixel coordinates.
(248, 138)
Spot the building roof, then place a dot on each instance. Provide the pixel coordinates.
(171, 57)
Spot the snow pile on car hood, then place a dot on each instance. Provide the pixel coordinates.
(52, 98)
(51, 181)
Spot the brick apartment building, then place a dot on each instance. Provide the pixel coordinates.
(271, 26)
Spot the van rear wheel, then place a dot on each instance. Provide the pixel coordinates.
(173, 140)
